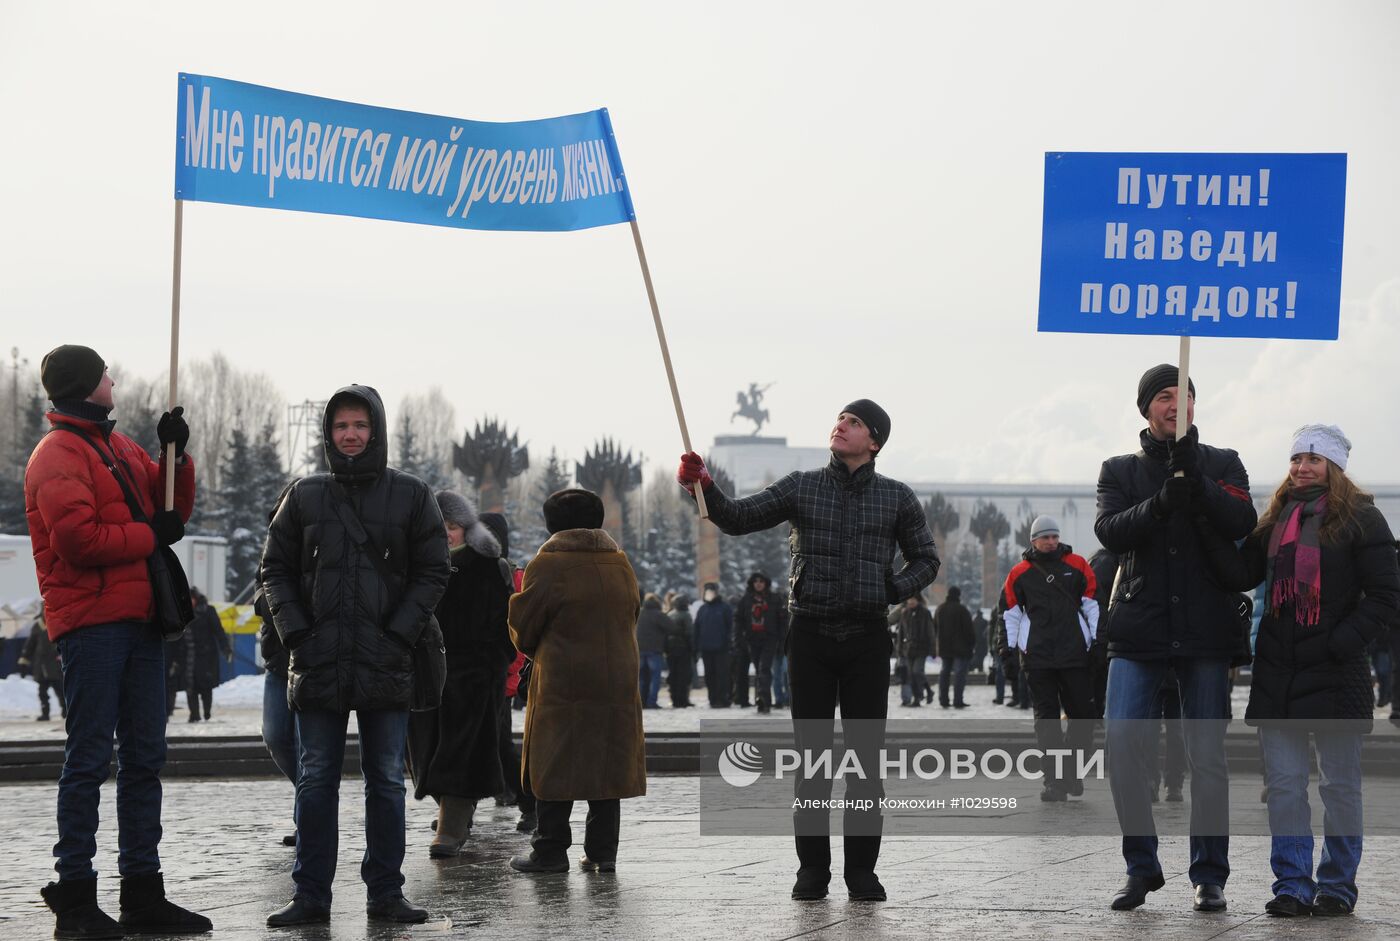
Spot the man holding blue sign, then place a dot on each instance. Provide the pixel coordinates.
(1167, 613)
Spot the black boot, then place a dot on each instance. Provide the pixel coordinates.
(145, 909)
(74, 902)
(811, 884)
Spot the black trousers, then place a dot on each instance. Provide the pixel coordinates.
(1070, 691)
(717, 677)
(761, 651)
(739, 662)
(57, 687)
(678, 678)
(510, 759)
(194, 696)
(855, 672)
(601, 828)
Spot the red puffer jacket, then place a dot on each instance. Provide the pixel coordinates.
(90, 553)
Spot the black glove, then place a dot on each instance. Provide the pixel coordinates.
(1174, 497)
(1183, 459)
(169, 527)
(172, 429)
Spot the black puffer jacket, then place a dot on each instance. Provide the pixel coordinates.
(845, 531)
(1168, 603)
(952, 629)
(1321, 671)
(349, 634)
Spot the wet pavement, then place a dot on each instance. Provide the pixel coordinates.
(222, 856)
(238, 711)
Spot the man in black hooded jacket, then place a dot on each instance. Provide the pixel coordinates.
(354, 565)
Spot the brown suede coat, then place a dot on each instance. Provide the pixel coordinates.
(575, 616)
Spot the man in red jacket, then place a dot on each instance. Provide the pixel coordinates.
(90, 551)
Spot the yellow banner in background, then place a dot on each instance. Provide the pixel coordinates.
(238, 618)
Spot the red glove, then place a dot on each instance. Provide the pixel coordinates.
(692, 471)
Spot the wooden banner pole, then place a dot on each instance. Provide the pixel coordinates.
(666, 358)
(174, 351)
(1183, 392)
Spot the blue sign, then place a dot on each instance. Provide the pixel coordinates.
(253, 146)
(1231, 245)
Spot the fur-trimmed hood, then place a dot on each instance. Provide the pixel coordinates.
(580, 540)
(460, 510)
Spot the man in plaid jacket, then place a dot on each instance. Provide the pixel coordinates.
(847, 523)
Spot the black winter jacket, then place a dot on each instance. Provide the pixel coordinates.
(845, 531)
(349, 634)
(1321, 672)
(774, 618)
(952, 630)
(652, 625)
(915, 635)
(1168, 603)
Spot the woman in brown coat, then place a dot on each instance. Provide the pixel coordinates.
(575, 618)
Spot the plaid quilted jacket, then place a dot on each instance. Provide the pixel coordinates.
(845, 531)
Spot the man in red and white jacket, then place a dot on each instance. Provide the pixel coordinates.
(1052, 619)
(90, 552)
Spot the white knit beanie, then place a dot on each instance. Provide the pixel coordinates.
(1327, 440)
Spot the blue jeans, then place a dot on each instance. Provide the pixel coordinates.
(321, 735)
(1130, 743)
(954, 668)
(650, 679)
(780, 679)
(1287, 762)
(279, 727)
(113, 683)
(915, 681)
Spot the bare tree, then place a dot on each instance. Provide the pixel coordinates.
(218, 396)
(433, 420)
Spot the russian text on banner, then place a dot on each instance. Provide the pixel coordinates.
(1234, 245)
(254, 146)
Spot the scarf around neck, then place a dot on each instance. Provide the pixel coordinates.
(1294, 572)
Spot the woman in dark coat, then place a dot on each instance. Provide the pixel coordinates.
(206, 644)
(454, 750)
(1327, 560)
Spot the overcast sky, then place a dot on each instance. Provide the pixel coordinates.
(843, 201)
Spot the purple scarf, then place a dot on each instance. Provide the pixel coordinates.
(1295, 557)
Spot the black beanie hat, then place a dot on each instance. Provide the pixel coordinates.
(573, 508)
(1155, 380)
(874, 417)
(71, 372)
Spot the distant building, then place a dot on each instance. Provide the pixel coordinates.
(753, 462)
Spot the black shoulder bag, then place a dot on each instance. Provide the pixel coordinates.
(170, 589)
(429, 652)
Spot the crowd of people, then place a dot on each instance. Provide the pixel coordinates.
(401, 605)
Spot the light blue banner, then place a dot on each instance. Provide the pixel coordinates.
(1235, 245)
(253, 146)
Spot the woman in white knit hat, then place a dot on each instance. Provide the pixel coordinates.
(1331, 584)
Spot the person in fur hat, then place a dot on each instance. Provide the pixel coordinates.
(576, 616)
(454, 750)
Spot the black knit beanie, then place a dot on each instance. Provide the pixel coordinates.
(1155, 380)
(71, 372)
(874, 417)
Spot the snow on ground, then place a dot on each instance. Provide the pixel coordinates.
(19, 696)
